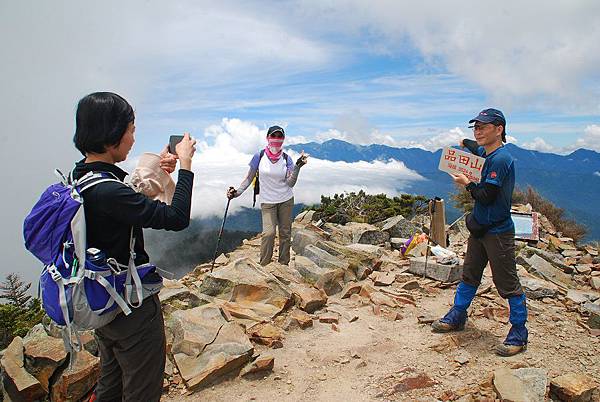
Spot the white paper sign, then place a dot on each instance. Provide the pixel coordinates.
(456, 161)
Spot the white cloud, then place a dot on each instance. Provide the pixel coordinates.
(224, 163)
(596, 173)
(538, 144)
(554, 58)
(590, 139)
(448, 138)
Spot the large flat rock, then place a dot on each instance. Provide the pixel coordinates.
(195, 328)
(524, 384)
(439, 272)
(228, 351)
(547, 271)
(243, 280)
(324, 259)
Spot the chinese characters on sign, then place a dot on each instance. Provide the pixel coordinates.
(456, 161)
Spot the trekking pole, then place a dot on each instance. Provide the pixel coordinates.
(456, 221)
(432, 210)
(220, 234)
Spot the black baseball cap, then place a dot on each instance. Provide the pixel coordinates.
(275, 129)
(494, 116)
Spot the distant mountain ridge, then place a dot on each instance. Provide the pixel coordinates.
(570, 181)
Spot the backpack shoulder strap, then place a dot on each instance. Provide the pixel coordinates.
(93, 178)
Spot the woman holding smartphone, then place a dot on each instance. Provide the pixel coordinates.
(277, 175)
(132, 348)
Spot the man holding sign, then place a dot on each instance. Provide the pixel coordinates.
(492, 232)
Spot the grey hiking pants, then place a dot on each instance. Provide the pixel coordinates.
(499, 250)
(276, 215)
(132, 355)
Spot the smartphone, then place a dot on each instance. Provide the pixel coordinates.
(173, 141)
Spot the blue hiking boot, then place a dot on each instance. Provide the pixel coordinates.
(516, 340)
(456, 318)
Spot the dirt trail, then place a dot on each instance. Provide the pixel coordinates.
(376, 359)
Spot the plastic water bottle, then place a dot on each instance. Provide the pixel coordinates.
(96, 257)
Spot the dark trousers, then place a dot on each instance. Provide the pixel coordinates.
(499, 250)
(132, 355)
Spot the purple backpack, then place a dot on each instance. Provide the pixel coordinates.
(80, 287)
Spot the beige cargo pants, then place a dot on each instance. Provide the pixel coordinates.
(276, 215)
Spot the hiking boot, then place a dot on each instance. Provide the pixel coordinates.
(505, 350)
(455, 320)
(441, 327)
(515, 342)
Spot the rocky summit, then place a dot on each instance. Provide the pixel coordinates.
(349, 319)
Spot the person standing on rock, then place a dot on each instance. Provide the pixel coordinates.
(132, 348)
(492, 233)
(276, 175)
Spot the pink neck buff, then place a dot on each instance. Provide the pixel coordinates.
(274, 149)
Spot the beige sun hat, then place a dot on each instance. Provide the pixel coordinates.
(149, 179)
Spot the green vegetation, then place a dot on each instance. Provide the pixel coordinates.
(568, 227)
(21, 312)
(367, 208)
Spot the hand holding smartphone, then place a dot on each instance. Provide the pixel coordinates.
(173, 141)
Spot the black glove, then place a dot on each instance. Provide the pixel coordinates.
(231, 193)
(301, 161)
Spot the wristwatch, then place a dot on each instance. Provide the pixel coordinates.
(470, 186)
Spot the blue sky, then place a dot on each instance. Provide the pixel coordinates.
(394, 72)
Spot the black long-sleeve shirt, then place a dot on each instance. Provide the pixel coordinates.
(485, 193)
(112, 209)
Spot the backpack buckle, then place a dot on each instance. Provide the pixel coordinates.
(56, 276)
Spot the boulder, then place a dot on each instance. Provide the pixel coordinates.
(350, 289)
(579, 297)
(267, 334)
(593, 309)
(384, 278)
(260, 365)
(178, 295)
(534, 287)
(222, 259)
(523, 384)
(43, 355)
(439, 272)
(302, 238)
(243, 281)
(248, 312)
(195, 328)
(329, 318)
(365, 250)
(547, 271)
(308, 298)
(573, 387)
(19, 385)
(330, 280)
(324, 259)
(229, 350)
(298, 318)
(398, 226)
(372, 237)
(77, 381)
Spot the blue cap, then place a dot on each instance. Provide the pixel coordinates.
(494, 116)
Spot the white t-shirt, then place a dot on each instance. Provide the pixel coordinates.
(271, 176)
